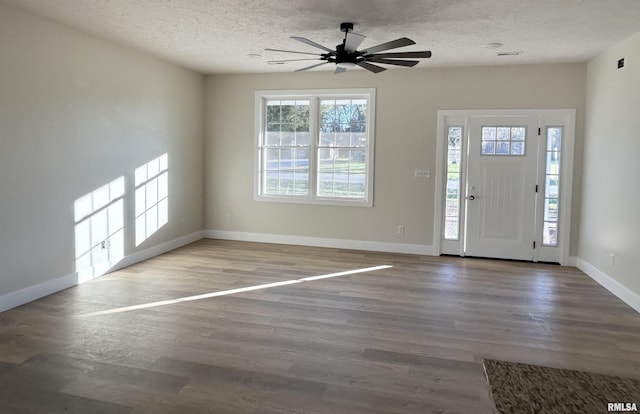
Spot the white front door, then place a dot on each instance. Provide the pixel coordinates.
(500, 186)
(505, 183)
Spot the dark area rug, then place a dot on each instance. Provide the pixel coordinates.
(522, 388)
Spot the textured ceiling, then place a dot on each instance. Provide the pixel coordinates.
(216, 36)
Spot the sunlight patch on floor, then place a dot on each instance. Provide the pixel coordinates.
(233, 291)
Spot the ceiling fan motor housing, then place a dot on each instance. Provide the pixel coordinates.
(346, 27)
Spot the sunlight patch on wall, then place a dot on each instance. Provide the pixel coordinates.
(152, 197)
(99, 230)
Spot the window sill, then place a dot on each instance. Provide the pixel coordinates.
(315, 200)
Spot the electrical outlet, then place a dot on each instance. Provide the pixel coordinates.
(227, 218)
(612, 259)
(401, 229)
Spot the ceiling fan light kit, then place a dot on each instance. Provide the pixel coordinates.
(346, 55)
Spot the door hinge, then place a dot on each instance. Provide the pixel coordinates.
(534, 245)
(539, 131)
(536, 188)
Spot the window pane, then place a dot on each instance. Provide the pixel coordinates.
(357, 158)
(272, 159)
(271, 127)
(325, 159)
(327, 138)
(551, 186)
(302, 138)
(554, 139)
(359, 139)
(455, 137)
(273, 138)
(550, 234)
(288, 127)
(357, 126)
(451, 228)
(517, 133)
(453, 205)
(488, 148)
(343, 139)
(453, 159)
(287, 138)
(551, 209)
(553, 162)
(273, 112)
(343, 115)
(517, 148)
(502, 147)
(301, 183)
(488, 134)
(271, 182)
(503, 134)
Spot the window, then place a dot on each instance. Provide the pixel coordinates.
(552, 187)
(503, 140)
(315, 146)
(452, 210)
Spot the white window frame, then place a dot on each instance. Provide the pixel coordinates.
(314, 95)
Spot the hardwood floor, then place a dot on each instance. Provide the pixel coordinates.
(406, 339)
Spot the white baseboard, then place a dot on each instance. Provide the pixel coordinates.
(156, 250)
(20, 297)
(622, 292)
(406, 248)
(570, 261)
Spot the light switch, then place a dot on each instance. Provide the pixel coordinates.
(422, 173)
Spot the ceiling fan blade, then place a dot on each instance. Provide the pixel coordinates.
(394, 62)
(352, 41)
(310, 67)
(409, 55)
(403, 41)
(312, 43)
(291, 51)
(370, 67)
(289, 60)
(339, 70)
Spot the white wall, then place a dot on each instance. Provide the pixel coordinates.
(611, 198)
(407, 105)
(75, 113)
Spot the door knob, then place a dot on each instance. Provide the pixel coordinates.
(471, 197)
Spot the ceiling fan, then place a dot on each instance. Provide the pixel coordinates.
(347, 55)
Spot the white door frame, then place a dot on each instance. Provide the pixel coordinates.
(548, 118)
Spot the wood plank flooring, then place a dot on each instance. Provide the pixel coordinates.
(406, 339)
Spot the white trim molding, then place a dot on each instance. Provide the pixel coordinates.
(157, 250)
(622, 292)
(20, 297)
(374, 246)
